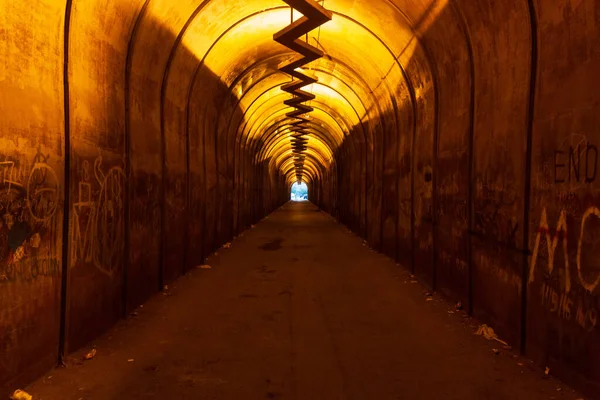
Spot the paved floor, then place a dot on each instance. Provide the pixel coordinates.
(297, 308)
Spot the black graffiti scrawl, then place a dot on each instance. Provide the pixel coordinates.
(28, 204)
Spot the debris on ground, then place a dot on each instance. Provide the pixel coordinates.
(428, 294)
(413, 281)
(459, 306)
(21, 395)
(429, 299)
(547, 371)
(130, 360)
(166, 287)
(450, 312)
(134, 314)
(205, 266)
(558, 389)
(496, 351)
(488, 333)
(227, 245)
(90, 355)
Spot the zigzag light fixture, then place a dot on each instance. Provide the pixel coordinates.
(314, 15)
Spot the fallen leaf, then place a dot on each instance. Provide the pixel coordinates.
(488, 333)
(130, 360)
(90, 355)
(205, 267)
(21, 395)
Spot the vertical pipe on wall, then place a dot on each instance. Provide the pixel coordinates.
(434, 183)
(381, 247)
(528, 161)
(188, 201)
(470, 191)
(218, 205)
(397, 185)
(127, 200)
(364, 205)
(205, 239)
(413, 166)
(62, 346)
(470, 156)
(163, 198)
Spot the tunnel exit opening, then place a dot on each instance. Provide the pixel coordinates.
(299, 192)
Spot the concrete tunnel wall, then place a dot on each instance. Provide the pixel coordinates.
(457, 137)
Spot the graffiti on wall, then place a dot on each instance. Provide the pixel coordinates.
(423, 197)
(578, 164)
(98, 216)
(572, 165)
(493, 215)
(552, 250)
(558, 237)
(29, 200)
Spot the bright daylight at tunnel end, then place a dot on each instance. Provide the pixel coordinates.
(140, 139)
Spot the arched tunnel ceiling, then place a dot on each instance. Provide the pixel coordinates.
(444, 133)
(360, 73)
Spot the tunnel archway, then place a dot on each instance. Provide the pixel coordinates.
(299, 192)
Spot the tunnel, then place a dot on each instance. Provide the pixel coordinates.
(455, 137)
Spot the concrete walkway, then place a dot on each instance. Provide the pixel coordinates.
(297, 308)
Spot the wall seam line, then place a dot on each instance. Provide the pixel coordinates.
(528, 166)
(64, 303)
